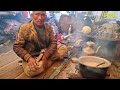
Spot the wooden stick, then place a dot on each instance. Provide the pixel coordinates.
(100, 63)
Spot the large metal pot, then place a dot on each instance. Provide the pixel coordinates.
(92, 67)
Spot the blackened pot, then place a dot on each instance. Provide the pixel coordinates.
(93, 72)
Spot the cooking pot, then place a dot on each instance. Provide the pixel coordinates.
(92, 67)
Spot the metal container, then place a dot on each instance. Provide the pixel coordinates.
(97, 70)
(108, 46)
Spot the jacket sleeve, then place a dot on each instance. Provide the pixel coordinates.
(18, 46)
(53, 44)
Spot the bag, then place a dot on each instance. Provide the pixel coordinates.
(32, 73)
(39, 65)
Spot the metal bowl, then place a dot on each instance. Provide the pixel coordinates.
(92, 67)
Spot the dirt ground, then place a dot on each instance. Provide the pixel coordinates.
(114, 70)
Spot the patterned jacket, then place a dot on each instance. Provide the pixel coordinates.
(27, 41)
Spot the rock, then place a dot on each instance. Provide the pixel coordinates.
(74, 59)
(74, 76)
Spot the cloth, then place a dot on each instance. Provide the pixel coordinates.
(41, 35)
(25, 13)
(60, 53)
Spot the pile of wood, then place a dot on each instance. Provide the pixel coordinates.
(109, 31)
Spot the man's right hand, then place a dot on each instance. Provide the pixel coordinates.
(32, 64)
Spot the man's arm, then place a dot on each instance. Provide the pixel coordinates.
(53, 44)
(18, 46)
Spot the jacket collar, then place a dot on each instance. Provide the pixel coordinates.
(35, 32)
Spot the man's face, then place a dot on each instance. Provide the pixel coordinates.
(39, 17)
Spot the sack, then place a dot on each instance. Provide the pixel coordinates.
(32, 73)
(39, 65)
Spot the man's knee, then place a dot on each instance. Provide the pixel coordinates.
(60, 53)
(35, 72)
(31, 73)
(62, 50)
(38, 71)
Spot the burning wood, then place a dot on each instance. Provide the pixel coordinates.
(65, 37)
(77, 43)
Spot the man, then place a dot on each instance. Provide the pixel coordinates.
(36, 45)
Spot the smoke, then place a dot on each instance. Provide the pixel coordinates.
(77, 25)
(107, 49)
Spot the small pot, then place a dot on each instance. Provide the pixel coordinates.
(97, 70)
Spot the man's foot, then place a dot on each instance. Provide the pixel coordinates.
(20, 63)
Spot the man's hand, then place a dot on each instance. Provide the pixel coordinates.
(32, 64)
